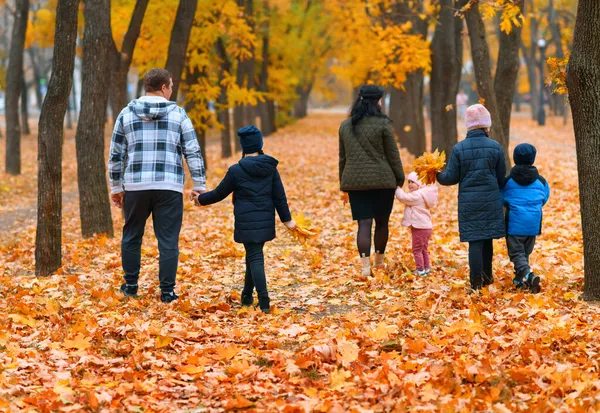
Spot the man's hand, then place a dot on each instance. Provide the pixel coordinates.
(117, 199)
(194, 195)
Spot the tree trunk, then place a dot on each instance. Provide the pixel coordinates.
(406, 107)
(583, 82)
(238, 110)
(406, 112)
(49, 217)
(24, 108)
(122, 59)
(14, 76)
(301, 106)
(531, 63)
(94, 205)
(445, 77)
(37, 77)
(483, 74)
(194, 77)
(507, 73)
(266, 109)
(222, 103)
(180, 37)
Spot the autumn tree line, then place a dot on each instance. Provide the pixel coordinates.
(237, 62)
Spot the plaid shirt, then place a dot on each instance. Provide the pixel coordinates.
(150, 136)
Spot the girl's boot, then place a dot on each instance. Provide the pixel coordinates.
(366, 266)
(379, 260)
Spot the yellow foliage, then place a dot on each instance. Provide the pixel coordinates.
(428, 165)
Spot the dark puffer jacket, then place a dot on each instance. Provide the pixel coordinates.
(257, 193)
(477, 165)
(369, 156)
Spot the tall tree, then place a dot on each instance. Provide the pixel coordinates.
(94, 205)
(122, 59)
(406, 106)
(180, 37)
(266, 108)
(446, 69)
(583, 82)
(483, 74)
(24, 107)
(50, 135)
(507, 73)
(222, 101)
(14, 79)
(529, 55)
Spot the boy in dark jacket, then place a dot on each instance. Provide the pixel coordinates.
(257, 193)
(525, 193)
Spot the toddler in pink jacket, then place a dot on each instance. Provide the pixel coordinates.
(419, 201)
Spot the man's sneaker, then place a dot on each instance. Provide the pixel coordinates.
(247, 300)
(129, 290)
(533, 283)
(168, 297)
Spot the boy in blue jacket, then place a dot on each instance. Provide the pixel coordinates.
(524, 194)
(257, 193)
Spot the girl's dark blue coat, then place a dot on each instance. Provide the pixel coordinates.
(257, 193)
(477, 165)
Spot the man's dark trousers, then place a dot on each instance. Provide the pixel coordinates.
(166, 208)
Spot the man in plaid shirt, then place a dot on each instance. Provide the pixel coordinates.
(146, 173)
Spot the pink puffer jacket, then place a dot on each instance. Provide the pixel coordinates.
(418, 204)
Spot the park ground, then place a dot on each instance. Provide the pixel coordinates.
(333, 342)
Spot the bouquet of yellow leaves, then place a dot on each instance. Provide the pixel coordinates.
(428, 165)
(303, 229)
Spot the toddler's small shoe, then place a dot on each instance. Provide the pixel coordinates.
(168, 297)
(129, 290)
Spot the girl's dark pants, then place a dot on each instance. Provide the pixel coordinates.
(255, 273)
(480, 263)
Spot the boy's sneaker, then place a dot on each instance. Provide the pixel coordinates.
(518, 282)
(247, 300)
(129, 290)
(168, 297)
(532, 282)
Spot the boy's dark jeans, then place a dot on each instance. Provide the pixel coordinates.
(166, 208)
(480, 262)
(255, 272)
(519, 250)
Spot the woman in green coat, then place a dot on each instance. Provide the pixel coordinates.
(370, 171)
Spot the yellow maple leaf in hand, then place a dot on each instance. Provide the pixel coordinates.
(428, 165)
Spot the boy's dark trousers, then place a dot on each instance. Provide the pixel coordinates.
(166, 208)
(480, 263)
(255, 273)
(519, 250)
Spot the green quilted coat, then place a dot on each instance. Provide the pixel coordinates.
(369, 156)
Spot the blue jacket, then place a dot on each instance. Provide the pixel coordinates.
(477, 165)
(257, 193)
(525, 193)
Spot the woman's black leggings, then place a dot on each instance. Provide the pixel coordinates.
(363, 238)
(480, 263)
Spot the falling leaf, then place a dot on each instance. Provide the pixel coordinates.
(407, 128)
(449, 107)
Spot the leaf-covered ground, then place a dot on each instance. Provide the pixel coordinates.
(334, 342)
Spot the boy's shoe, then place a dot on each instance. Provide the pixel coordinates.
(129, 290)
(518, 282)
(532, 282)
(247, 300)
(168, 297)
